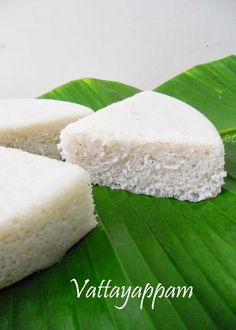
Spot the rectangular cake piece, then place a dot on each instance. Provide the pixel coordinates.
(46, 206)
(150, 144)
(34, 125)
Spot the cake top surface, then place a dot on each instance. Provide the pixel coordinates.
(28, 181)
(22, 112)
(148, 117)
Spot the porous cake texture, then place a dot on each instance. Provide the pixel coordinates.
(46, 206)
(34, 125)
(151, 144)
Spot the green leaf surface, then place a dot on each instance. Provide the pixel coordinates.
(141, 239)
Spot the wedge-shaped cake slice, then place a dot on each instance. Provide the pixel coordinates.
(151, 144)
(46, 206)
(34, 125)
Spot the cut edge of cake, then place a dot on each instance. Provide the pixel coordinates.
(183, 170)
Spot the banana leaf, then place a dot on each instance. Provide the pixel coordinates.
(141, 239)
